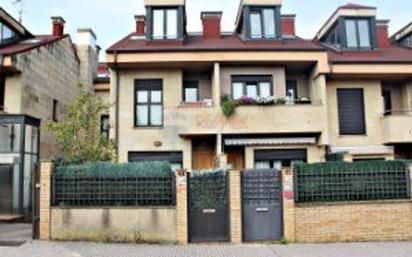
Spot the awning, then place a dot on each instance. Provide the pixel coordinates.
(365, 150)
(271, 141)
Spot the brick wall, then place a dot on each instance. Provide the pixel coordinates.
(235, 203)
(361, 221)
(389, 220)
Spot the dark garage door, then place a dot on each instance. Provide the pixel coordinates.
(262, 205)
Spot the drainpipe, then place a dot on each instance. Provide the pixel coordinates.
(117, 107)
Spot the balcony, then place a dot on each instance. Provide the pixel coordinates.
(397, 127)
(305, 118)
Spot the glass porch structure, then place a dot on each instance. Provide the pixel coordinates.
(19, 159)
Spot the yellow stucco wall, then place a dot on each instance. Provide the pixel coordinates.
(373, 112)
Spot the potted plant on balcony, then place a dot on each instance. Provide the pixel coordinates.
(246, 100)
(265, 100)
(280, 101)
(228, 106)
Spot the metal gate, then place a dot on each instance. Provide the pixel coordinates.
(208, 207)
(36, 202)
(262, 205)
(6, 189)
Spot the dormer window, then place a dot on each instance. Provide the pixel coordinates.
(407, 41)
(358, 33)
(262, 23)
(165, 23)
(6, 34)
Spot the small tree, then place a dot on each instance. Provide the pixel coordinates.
(78, 134)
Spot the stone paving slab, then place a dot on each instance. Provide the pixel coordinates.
(14, 234)
(71, 249)
(56, 249)
(395, 249)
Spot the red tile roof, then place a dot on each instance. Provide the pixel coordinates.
(392, 54)
(226, 43)
(29, 44)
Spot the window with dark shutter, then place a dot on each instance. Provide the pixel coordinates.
(351, 112)
(174, 158)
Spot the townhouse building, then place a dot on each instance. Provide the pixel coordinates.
(39, 77)
(347, 91)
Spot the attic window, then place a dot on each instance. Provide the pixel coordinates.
(165, 23)
(262, 23)
(358, 33)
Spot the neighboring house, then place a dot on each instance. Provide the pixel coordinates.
(404, 36)
(39, 77)
(369, 86)
(102, 89)
(347, 91)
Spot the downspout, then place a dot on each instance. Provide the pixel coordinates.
(117, 106)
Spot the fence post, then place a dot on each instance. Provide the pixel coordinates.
(410, 180)
(46, 171)
(288, 205)
(235, 203)
(182, 230)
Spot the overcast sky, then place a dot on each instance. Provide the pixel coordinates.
(113, 19)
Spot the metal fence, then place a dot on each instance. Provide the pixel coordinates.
(114, 191)
(331, 182)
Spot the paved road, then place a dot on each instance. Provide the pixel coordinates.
(56, 249)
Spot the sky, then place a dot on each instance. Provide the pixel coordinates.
(111, 20)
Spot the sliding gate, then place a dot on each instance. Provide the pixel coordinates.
(262, 205)
(208, 207)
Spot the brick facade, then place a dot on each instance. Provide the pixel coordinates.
(182, 220)
(235, 202)
(46, 170)
(361, 221)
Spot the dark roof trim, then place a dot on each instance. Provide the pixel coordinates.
(392, 38)
(110, 51)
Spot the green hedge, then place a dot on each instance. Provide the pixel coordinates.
(343, 181)
(105, 169)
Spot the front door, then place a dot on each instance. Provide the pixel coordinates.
(262, 205)
(204, 153)
(6, 190)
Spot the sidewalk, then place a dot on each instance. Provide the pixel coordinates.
(57, 249)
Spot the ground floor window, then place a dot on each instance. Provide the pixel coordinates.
(2, 92)
(104, 126)
(174, 158)
(279, 158)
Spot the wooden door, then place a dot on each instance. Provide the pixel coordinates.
(235, 158)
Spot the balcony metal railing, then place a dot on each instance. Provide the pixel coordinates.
(400, 112)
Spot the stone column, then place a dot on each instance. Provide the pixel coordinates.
(288, 205)
(46, 171)
(182, 222)
(235, 204)
(216, 84)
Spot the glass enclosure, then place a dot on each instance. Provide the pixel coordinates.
(19, 158)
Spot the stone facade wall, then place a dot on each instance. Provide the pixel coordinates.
(48, 73)
(138, 225)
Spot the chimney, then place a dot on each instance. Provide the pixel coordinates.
(58, 26)
(288, 24)
(382, 33)
(88, 53)
(211, 24)
(140, 24)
